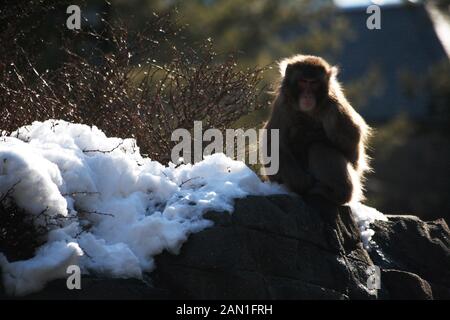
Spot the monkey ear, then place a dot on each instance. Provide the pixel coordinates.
(334, 71)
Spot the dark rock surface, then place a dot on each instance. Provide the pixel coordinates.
(278, 247)
(417, 247)
(402, 285)
(99, 288)
(270, 248)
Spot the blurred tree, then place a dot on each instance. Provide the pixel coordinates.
(265, 29)
(444, 5)
(438, 83)
(411, 157)
(261, 31)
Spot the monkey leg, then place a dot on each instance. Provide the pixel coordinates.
(332, 173)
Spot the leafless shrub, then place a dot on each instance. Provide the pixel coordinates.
(141, 84)
(19, 234)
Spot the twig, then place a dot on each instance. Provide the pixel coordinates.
(80, 192)
(103, 151)
(188, 181)
(99, 213)
(10, 190)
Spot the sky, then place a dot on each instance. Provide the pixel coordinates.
(360, 3)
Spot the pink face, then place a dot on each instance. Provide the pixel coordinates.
(307, 98)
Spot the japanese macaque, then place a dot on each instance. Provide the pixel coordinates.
(322, 138)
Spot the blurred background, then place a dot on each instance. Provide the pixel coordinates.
(397, 77)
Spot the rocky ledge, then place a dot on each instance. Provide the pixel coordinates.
(280, 247)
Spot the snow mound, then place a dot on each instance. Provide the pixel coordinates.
(112, 210)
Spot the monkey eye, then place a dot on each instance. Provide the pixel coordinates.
(315, 84)
(304, 83)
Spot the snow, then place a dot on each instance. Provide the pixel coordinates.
(112, 209)
(116, 210)
(364, 216)
(49, 263)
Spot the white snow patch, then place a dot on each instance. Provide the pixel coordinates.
(364, 216)
(116, 209)
(49, 263)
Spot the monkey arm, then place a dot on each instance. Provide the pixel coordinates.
(291, 171)
(292, 174)
(343, 130)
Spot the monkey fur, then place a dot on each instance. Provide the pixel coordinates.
(323, 140)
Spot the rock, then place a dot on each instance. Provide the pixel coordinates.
(401, 285)
(93, 288)
(281, 247)
(273, 247)
(412, 245)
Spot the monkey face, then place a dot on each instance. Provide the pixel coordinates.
(306, 85)
(308, 94)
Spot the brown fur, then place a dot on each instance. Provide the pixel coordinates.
(323, 152)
